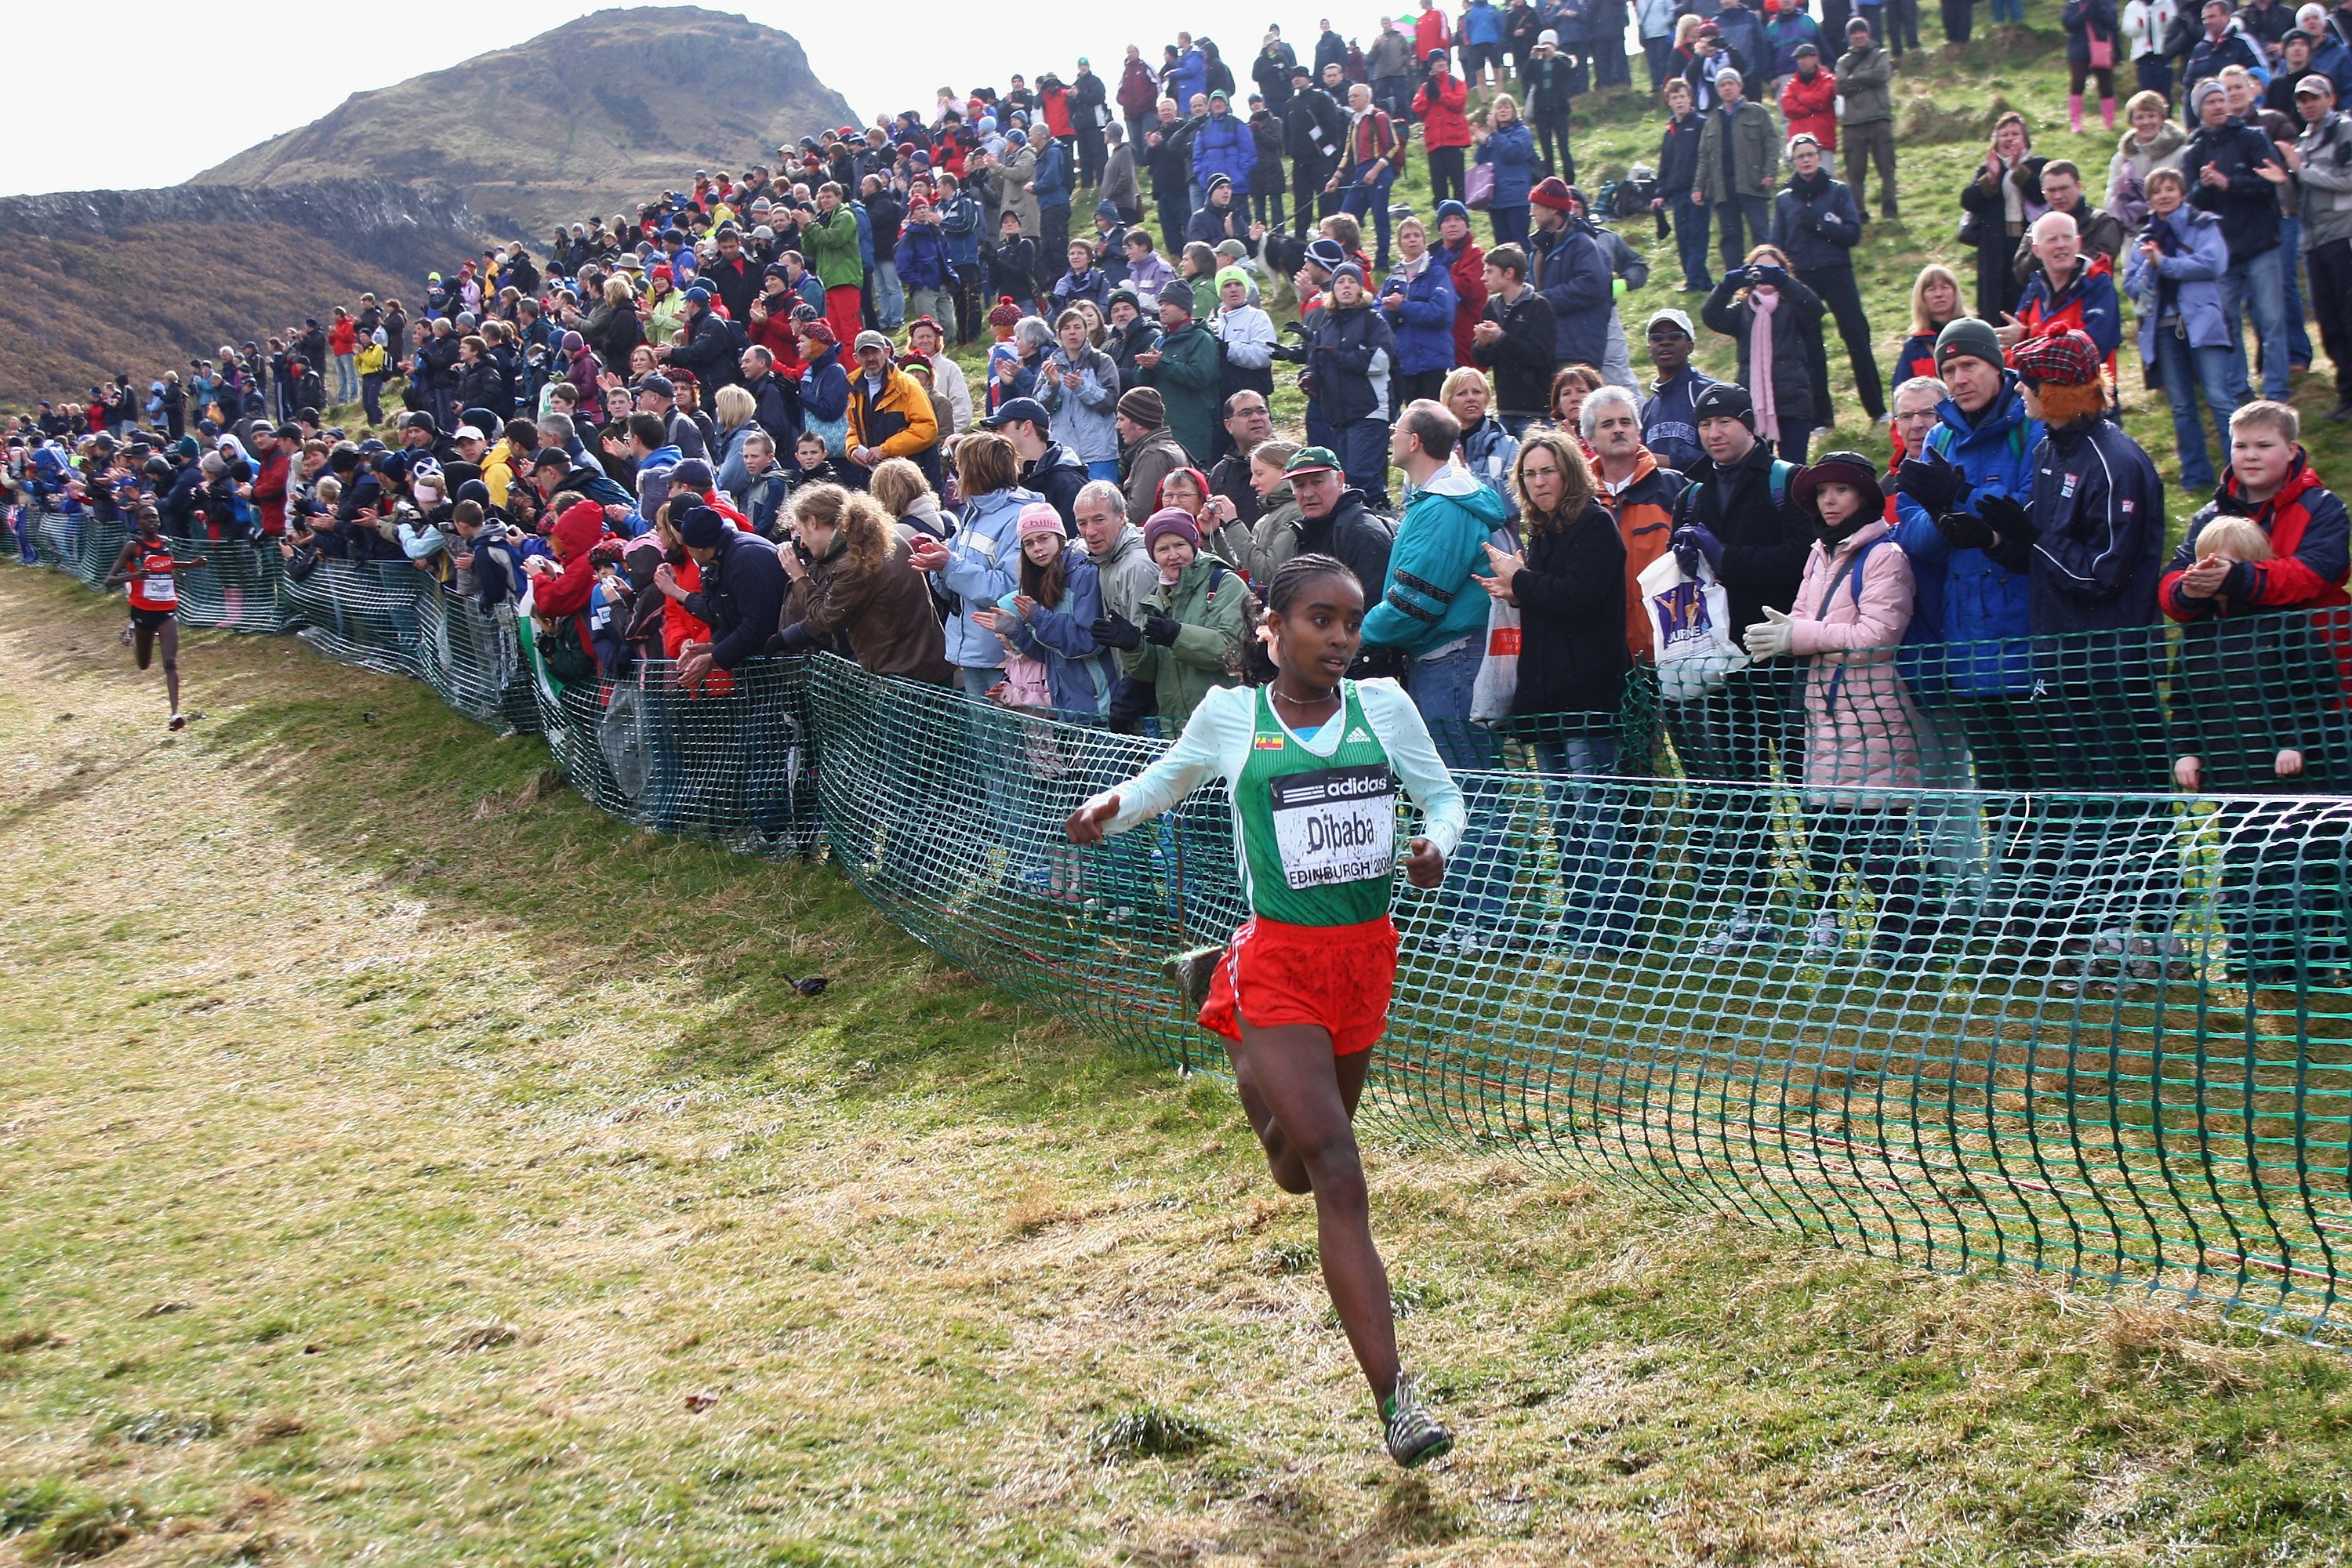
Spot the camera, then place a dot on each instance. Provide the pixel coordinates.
(1293, 351)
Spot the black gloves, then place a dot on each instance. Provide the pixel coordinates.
(1933, 483)
(1112, 631)
(1966, 532)
(1160, 629)
(2005, 517)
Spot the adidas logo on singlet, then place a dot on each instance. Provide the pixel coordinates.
(1357, 736)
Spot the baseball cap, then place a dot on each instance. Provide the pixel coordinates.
(2315, 86)
(1018, 411)
(1678, 320)
(1312, 461)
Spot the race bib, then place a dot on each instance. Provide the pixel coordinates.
(1335, 825)
(161, 588)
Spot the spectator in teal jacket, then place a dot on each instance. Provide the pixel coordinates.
(1433, 613)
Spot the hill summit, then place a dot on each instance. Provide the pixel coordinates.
(601, 112)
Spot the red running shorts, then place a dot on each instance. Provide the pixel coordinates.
(1338, 979)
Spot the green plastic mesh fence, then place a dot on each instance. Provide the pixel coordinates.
(729, 759)
(1913, 949)
(237, 589)
(2109, 1035)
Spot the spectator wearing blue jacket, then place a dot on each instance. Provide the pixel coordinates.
(1189, 76)
(2174, 279)
(979, 564)
(1223, 144)
(1569, 270)
(1788, 27)
(961, 220)
(1051, 185)
(1508, 144)
(1418, 301)
(1970, 607)
(1744, 36)
(924, 270)
(1480, 34)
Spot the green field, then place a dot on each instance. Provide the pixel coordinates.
(403, 1164)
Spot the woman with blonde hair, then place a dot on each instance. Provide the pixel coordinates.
(904, 493)
(1568, 583)
(1934, 305)
(731, 409)
(612, 328)
(1773, 319)
(857, 589)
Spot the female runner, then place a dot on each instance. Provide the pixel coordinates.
(1302, 993)
(148, 566)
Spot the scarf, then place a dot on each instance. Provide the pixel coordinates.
(1762, 300)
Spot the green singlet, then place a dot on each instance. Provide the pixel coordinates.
(1320, 831)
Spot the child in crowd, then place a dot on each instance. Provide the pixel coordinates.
(1862, 748)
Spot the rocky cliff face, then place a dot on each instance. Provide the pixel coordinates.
(593, 116)
(93, 282)
(401, 228)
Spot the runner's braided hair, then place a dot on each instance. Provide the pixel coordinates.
(1281, 592)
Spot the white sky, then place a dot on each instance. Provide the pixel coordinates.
(186, 86)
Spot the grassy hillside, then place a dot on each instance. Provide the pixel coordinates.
(408, 1165)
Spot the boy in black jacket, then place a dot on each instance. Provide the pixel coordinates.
(1514, 339)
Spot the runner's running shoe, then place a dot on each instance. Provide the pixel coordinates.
(1414, 1436)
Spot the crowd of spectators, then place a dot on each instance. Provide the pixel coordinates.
(730, 424)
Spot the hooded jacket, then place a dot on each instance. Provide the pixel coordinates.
(1428, 599)
(2185, 281)
(984, 566)
(1570, 269)
(742, 598)
(1206, 602)
(1224, 146)
(1351, 354)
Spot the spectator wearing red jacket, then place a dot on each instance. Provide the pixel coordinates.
(2271, 481)
(1458, 253)
(273, 452)
(1445, 129)
(1431, 32)
(1808, 102)
(342, 344)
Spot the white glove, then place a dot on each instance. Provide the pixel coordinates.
(1769, 637)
